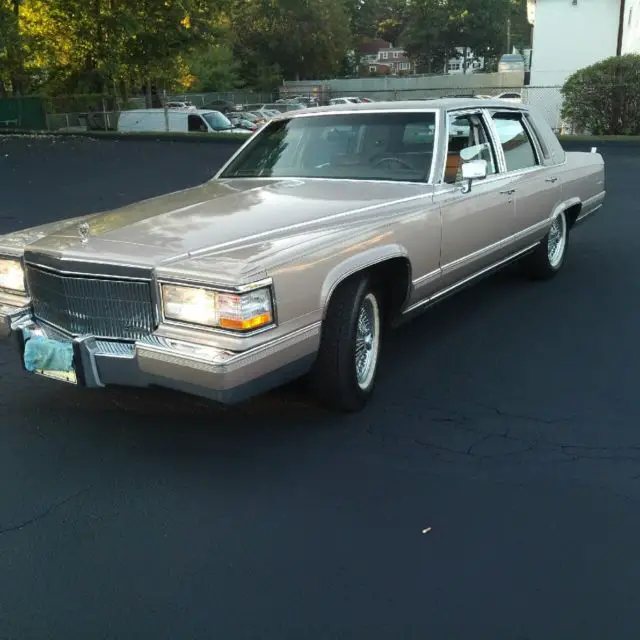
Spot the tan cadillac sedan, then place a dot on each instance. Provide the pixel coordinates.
(327, 226)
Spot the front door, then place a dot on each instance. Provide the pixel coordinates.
(476, 224)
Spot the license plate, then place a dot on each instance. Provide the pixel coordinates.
(62, 376)
(69, 377)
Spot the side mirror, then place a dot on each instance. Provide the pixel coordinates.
(474, 170)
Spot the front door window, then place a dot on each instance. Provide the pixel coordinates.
(468, 140)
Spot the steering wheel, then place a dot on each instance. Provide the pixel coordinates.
(403, 163)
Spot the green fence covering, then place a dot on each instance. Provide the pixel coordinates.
(23, 113)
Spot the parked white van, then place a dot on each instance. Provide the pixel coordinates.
(179, 120)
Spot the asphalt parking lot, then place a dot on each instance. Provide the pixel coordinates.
(491, 490)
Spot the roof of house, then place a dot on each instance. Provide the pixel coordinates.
(371, 47)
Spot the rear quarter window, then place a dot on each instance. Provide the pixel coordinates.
(535, 131)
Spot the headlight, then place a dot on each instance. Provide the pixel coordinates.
(11, 275)
(234, 311)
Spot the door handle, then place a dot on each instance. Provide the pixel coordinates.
(551, 180)
(509, 192)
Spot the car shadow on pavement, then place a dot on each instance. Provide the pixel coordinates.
(287, 420)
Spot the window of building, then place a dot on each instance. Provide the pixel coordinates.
(384, 55)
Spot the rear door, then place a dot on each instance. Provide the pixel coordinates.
(535, 185)
(475, 225)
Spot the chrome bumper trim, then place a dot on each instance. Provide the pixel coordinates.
(207, 371)
(10, 318)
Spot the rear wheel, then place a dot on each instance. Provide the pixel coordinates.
(549, 256)
(344, 374)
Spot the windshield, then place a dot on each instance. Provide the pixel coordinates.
(394, 146)
(217, 121)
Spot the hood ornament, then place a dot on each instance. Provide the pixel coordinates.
(84, 230)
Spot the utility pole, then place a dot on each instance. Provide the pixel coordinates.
(621, 28)
(509, 34)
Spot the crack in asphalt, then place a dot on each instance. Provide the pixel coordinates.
(40, 516)
(519, 416)
(572, 452)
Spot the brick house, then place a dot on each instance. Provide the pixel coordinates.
(381, 57)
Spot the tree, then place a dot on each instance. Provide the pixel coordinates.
(284, 37)
(426, 38)
(437, 28)
(393, 18)
(214, 69)
(604, 98)
(11, 53)
(479, 26)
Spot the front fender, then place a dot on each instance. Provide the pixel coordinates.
(355, 263)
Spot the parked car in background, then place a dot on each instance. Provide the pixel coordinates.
(175, 120)
(265, 114)
(303, 100)
(273, 106)
(295, 262)
(345, 100)
(511, 62)
(510, 96)
(220, 105)
(262, 115)
(245, 120)
(189, 106)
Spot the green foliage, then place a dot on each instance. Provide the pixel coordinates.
(214, 69)
(291, 38)
(434, 28)
(604, 99)
(60, 47)
(426, 37)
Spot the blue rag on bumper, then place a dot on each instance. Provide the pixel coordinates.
(44, 353)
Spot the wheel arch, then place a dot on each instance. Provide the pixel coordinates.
(571, 208)
(386, 264)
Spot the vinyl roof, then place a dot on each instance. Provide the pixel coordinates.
(406, 105)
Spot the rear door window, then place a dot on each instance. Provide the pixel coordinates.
(518, 148)
(544, 147)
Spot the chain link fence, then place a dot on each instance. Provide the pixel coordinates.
(97, 112)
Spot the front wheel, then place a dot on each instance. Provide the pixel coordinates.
(344, 374)
(549, 256)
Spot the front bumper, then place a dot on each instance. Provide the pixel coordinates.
(224, 376)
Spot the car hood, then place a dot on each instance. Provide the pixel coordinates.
(218, 214)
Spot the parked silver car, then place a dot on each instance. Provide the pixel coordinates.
(326, 227)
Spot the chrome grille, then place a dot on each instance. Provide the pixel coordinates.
(119, 309)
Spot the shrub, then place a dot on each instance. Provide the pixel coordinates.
(604, 99)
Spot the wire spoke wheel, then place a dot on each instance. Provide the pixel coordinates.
(367, 341)
(557, 240)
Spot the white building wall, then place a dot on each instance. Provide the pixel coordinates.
(631, 38)
(568, 37)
